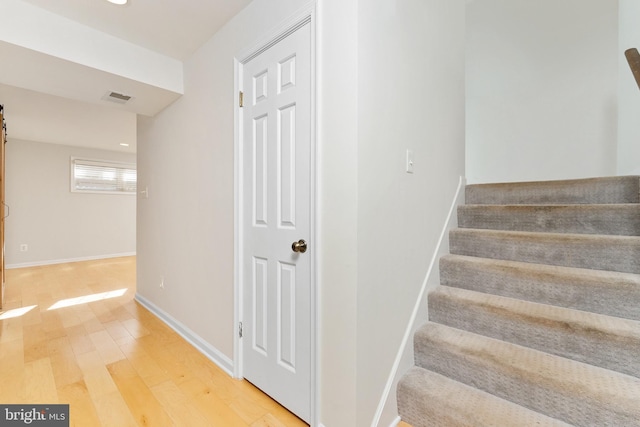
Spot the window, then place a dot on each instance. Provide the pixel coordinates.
(98, 176)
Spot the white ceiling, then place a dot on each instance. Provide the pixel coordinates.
(65, 108)
(35, 116)
(174, 28)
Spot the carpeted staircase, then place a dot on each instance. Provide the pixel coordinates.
(537, 319)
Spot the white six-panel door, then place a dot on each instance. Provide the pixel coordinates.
(276, 281)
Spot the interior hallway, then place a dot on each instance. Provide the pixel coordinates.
(72, 333)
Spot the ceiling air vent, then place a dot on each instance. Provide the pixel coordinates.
(116, 97)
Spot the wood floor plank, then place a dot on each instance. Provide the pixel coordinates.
(12, 372)
(217, 412)
(143, 405)
(285, 417)
(33, 316)
(113, 411)
(95, 374)
(69, 317)
(255, 396)
(35, 343)
(135, 328)
(35, 350)
(84, 313)
(181, 410)
(82, 413)
(63, 362)
(12, 390)
(52, 324)
(106, 347)
(76, 330)
(118, 332)
(247, 409)
(164, 358)
(146, 367)
(102, 312)
(39, 382)
(10, 329)
(120, 312)
(81, 343)
(267, 421)
(11, 356)
(94, 325)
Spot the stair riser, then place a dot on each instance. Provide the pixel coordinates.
(613, 253)
(427, 399)
(502, 376)
(623, 220)
(419, 412)
(610, 293)
(591, 343)
(593, 191)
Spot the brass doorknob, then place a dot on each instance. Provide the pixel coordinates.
(299, 246)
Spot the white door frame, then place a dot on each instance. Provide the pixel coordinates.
(305, 15)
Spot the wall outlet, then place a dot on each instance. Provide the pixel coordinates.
(24, 247)
(161, 282)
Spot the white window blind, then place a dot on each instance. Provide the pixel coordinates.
(97, 176)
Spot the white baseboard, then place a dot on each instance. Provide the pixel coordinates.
(66, 260)
(395, 422)
(213, 354)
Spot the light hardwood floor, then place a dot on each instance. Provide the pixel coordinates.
(82, 343)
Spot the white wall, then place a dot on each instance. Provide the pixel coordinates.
(411, 96)
(338, 211)
(628, 93)
(56, 224)
(541, 89)
(367, 205)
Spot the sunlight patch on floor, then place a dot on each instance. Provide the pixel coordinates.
(16, 312)
(87, 299)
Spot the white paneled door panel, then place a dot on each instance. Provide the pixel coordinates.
(276, 120)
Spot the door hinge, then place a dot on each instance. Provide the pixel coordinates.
(240, 329)
(241, 99)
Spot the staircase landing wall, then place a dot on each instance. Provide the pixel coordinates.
(532, 112)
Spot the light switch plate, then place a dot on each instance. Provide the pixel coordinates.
(409, 166)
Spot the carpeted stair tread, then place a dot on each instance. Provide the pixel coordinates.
(617, 219)
(605, 292)
(613, 253)
(604, 341)
(428, 399)
(574, 392)
(619, 189)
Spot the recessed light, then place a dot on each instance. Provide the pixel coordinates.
(118, 2)
(124, 145)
